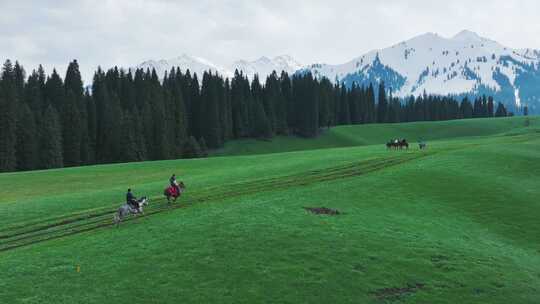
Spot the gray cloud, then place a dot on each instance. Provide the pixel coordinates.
(126, 32)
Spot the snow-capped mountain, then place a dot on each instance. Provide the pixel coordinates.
(194, 64)
(263, 66)
(465, 64)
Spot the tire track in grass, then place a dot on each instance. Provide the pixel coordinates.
(57, 227)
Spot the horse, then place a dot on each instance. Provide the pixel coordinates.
(170, 192)
(404, 144)
(397, 144)
(126, 210)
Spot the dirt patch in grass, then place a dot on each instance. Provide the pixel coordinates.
(396, 293)
(322, 210)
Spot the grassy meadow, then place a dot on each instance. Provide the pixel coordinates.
(458, 222)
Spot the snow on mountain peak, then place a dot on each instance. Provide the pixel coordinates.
(263, 66)
(196, 65)
(467, 36)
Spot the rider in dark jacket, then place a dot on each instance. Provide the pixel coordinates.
(131, 200)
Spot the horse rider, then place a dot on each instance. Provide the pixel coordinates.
(131, 200)
(174, 183)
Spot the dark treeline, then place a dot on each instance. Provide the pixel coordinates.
(47, 122)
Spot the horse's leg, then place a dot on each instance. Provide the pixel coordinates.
(118, 218)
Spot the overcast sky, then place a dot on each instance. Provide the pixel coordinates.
(127, 32)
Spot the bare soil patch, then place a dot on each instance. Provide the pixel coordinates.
(396, 293)
(322, 210)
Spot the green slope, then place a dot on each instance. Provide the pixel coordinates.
(355, 135)
(456, 223)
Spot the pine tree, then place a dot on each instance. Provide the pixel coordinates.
(128, 140)
(50, 147)
(371, 114)
(109, 135)
(203, 147)
(91, 121)
(209, 123)
(307, 111)
(8, 119)
(54, 91)
(34, 90)
(262, 124)
(73, 86)
(477, 108)
(71, 135)
(344, 109)
(466, 109)
(180, 120)
(501, 110)
(27, 140)
(19, 75)
(490, 107)
(394, 110)
(287, 92)
(271, 97)
(192, 148)
(382, 106)
(325, 103)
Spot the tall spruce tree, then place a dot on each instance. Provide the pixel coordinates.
(91, 121)
(382, 105)
(19, 75)
(490, 107)
(50, 140)
(34, 91)
(8, 118)
(54, 91)
(73, 83)
(466, 108)
(192, 148)
(180, 120)
(128, 140)
(27, 140)
(71, 135)
(344, 109)
(501, 110)
(371, 114)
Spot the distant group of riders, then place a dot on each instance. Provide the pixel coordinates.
(401, 143)
(135, 206)
(397, 143)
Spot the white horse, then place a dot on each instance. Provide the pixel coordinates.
(126, 210)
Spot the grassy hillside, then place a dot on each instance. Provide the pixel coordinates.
(455, 223)
(358, 135)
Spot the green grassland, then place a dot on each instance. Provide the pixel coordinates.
(458, 222)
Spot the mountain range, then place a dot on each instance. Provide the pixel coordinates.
(262, 66)
(463, 65)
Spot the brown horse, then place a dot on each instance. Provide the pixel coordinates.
(171, 192)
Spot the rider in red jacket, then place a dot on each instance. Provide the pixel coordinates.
(174, 183)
